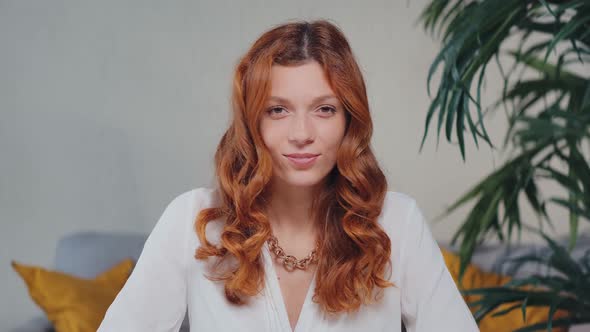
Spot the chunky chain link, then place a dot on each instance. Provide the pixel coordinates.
(291, 262)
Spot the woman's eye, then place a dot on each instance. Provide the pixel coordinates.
(281, 110)
(327, 110)
(275, 110)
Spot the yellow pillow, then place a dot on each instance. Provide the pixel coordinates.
(474, 277)
(74, 304)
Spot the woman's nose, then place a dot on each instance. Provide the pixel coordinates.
(301, 129)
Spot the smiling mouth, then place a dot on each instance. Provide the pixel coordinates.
(302, 162)
(302, 155)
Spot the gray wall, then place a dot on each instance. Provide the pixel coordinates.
(109, 109)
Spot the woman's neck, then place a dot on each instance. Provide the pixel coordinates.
(290, 212)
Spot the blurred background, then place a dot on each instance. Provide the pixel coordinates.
(110, 109)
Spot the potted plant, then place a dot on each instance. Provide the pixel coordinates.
(546, 98)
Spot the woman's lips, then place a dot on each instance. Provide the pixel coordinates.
(302, 162)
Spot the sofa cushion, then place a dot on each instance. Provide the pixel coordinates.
(71, 303)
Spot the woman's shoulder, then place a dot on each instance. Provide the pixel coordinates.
(181, 211)
(193, 200)
(398, 215)
(396, 207)
(190, 202)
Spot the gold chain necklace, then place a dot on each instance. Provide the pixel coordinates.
(291, 262)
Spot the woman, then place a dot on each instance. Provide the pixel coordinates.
(301, 233)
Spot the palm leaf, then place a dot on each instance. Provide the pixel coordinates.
(548, 120)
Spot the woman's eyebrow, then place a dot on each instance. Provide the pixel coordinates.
(314, 101)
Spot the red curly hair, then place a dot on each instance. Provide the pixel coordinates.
(354, 251)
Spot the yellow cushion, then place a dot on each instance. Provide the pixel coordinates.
(474, 277)
(74, 304)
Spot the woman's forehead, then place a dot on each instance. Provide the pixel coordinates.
(307, 81)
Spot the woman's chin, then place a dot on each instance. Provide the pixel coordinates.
(308, 180)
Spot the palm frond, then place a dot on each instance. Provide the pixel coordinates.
(548, 120)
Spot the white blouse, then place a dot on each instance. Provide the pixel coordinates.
(167, 280)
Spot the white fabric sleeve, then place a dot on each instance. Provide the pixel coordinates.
(154, 298)
(430, 298)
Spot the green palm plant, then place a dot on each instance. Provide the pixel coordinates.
(548, 123)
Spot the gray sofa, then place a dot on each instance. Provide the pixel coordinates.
(86, 254)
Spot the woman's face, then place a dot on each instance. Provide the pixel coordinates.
(303, 124)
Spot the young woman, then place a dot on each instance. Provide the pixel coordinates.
(300, 233)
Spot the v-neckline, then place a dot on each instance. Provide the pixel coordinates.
(277, 296)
